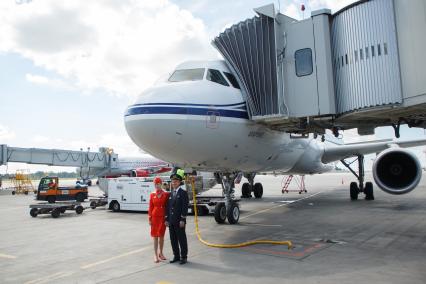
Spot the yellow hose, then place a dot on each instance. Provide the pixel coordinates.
(244, 244)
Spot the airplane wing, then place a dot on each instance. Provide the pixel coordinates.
(338, 152)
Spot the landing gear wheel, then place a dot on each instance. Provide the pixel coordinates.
(13, 192)
(79, 209)
(51, 199)
(34, 212)
(258, 190)
(233, 214)
(245, 190)
(93, 204)
(354, 190)
(115, 206)
(26, 192)
(368, 190)
(56, 213)
(220, 213)
(79, 197)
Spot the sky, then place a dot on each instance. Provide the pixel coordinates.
(69, 69)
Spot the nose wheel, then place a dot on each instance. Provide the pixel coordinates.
(229, 209)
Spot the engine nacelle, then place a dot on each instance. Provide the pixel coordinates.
(397, 171)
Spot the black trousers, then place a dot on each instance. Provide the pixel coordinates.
(178, 240)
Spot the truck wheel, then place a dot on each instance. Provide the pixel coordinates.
(56, 213)
(34, 212)
(93, 204)
(79, 209)
(115, 206)
(220, 213)
(79, 197)
(51, 199)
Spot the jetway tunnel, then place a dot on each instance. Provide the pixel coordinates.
(362, 66)
(104, 160)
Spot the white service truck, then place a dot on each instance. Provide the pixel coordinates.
(129, 193)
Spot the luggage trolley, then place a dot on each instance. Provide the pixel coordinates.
(55, 209)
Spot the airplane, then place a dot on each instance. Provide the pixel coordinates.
(197, 119)
(144, 166)
(140, 167)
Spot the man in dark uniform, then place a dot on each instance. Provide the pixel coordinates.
(176, 211)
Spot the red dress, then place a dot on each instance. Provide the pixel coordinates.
(157, 212)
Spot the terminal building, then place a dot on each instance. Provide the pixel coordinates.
(361, 67)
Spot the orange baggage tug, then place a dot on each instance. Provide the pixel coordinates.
(49, 190)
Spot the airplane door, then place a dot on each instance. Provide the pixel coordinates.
(300, 73)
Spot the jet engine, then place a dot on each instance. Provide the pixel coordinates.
(397, 171)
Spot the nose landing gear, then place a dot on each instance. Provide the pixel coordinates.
(229, 209)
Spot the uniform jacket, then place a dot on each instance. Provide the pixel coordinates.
(177, 208)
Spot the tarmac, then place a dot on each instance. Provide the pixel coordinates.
(336, 240)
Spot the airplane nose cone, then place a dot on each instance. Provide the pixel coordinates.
(157, 121)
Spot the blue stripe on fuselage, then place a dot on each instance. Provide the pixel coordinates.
(135, 110)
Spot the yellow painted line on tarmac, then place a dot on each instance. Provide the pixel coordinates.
(7, 256)
(277, 206)
(87, 266)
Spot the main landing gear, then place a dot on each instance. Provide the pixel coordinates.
(354, 188)
(250, 186)
(229, 209)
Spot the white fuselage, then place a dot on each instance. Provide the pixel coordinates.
(204, 125)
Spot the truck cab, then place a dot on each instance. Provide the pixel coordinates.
(49, 190)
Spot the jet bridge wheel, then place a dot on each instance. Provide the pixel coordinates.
(354, 190)
(368, 190)
(220, 213)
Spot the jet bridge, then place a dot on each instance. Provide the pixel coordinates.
(104, 160)
(360, 67)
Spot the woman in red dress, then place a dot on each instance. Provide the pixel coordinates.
(156, 213)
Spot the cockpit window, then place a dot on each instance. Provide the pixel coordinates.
(232, 79)
(215, 76)
(187, 75)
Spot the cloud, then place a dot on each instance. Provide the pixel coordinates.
(118, 46)
(120, 142)
(6, 134)
(36, 79)
(54, 83)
